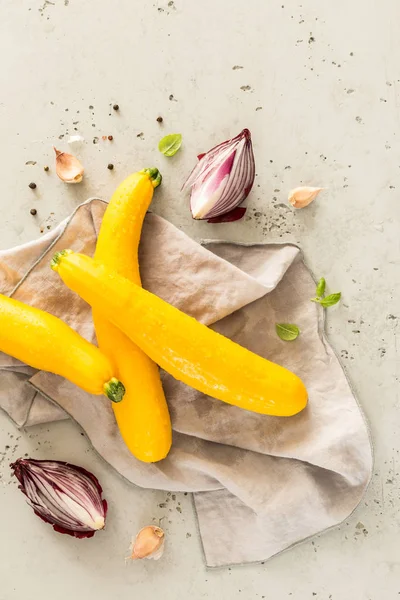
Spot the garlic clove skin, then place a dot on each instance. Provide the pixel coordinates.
(68, 167)
(149, 543)
(301, 197)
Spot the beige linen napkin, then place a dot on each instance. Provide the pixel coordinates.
(260, 483)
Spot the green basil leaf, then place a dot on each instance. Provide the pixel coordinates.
(320, 288)
(287, 332)
(170, 144)
(328, 300)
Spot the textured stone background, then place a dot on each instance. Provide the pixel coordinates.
(317, 84)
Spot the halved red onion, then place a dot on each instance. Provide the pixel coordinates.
(66, 496)
(222, 178)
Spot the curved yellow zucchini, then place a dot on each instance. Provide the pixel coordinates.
(143, 417)
(44, 342)
(187, 349)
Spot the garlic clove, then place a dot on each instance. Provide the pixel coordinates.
(303, 196)
(68, 167)
(149, 543)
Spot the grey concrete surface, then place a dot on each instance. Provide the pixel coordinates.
(317, 83)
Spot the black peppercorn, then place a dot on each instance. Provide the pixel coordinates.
(110, 137)
(116, 107)
(32, 185)
(110, 166)
(33, 211)
(46, 168)
(159, 119)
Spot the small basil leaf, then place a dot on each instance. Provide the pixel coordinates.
(170, 144)
(287, 332)
(320, 287)
(328, 300)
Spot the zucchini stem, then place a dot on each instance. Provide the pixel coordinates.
(114, 390)
(57, 258)
(154, 175)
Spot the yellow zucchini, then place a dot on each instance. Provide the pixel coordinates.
(143, 417)
(44, 342)
(187, 349)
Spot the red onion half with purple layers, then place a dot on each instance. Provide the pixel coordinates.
(66, 496)
(222, 179)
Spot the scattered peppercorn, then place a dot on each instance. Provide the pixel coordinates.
(48, 226)
(110, 137)
(33, 211)
(110, 166)
(116, 107)
(32, 185)
(159, 119)
(46, 168)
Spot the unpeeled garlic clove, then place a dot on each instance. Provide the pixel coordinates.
(303, 196)
(68, 167)
(149, 543)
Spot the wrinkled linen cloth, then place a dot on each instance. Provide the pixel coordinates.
(260, 484)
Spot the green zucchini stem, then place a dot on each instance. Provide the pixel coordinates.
(57, 257)
(114, 390)
(155, 176)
